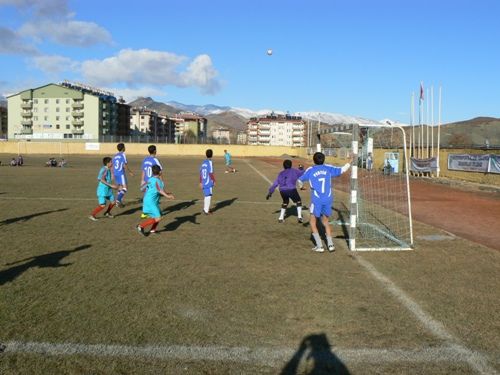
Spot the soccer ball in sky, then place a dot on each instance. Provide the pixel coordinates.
(269, 52)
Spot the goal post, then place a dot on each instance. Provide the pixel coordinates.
(373, 204)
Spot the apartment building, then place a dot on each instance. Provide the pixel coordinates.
(189, 128)
(3, 123)
(241, 138)
(65, 111)
(221, 135)
(144, 121)
(276, 130)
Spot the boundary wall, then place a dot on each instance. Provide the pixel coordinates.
(78, 148)
(74, 148)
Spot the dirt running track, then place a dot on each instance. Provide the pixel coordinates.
(470, 214)
(457, 207)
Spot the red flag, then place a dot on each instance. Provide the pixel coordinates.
(421, 91)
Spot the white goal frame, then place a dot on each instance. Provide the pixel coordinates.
(356, 220)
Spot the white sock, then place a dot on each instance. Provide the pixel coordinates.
(282, 214)
(299, 212)
(317, 239)
(206, 204)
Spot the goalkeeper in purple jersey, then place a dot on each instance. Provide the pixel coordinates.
(287, 180)
(320, 177)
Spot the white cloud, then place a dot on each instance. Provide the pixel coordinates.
(52, 20)
(157, 68)
(12, 43)
(67, 32)
(54, 64)
(201, 73)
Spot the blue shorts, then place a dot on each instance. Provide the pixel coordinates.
(207, 191)
(320, 207)
(121, 179)
(103, 198)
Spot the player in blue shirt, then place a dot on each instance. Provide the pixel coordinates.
(207, 181)
(155, 189)
(228, 162)
(120, 167)
(320, 179)
(287, 182)
(104, 190)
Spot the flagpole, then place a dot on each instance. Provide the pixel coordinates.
(420, 118)
(432, 121)
(439, 131)
(412, 120)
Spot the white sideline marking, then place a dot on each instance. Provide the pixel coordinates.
(265, 356)
(259, 172)
(477, 361)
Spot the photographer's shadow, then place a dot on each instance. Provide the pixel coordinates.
(316, 353)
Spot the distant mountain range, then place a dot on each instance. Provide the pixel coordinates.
(236, 118)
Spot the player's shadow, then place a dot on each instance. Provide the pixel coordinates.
(28, 217)
(317, 353)
(130, 211)
(343, 215)
(179, 206)
(220, 205)
(52, 260)
(179, 220)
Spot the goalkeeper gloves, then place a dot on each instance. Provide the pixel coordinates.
(268, 196)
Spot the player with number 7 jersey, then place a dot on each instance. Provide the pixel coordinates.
(320, 177)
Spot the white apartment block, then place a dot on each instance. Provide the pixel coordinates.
(222, 135)
(62, 111)
(276, 130)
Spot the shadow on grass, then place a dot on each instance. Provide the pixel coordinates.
(28, 217)
(130, 211)
(220, 205)
(179, 206)
(317, 352)
(179, 220)
(41, 261)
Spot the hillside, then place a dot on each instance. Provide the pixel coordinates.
(473, 132)
(159, 107)
(228, 120)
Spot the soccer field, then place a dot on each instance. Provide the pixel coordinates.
(231, 293)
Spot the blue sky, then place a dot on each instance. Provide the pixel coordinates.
(355, 57)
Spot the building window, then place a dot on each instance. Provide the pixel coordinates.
(58, 126)
(57, 101)
(67, 126)
(45, 109)
(57, 109)
(35, 118)
(46, 101)
(67, 118)
(67, 109)
(57, 118)
(35, 109)
(67, 101)
(46, 118)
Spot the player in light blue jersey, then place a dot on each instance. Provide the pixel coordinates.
(104, 190)
(147, 171)
(120, 169)
(229, 162)
(207, 181)
(320, 177)
(155, 189)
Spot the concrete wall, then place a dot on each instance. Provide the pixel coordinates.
(74, 148)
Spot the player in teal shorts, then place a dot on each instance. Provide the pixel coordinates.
(104, 190)
(155, 188)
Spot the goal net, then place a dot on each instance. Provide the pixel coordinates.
(373, 204)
